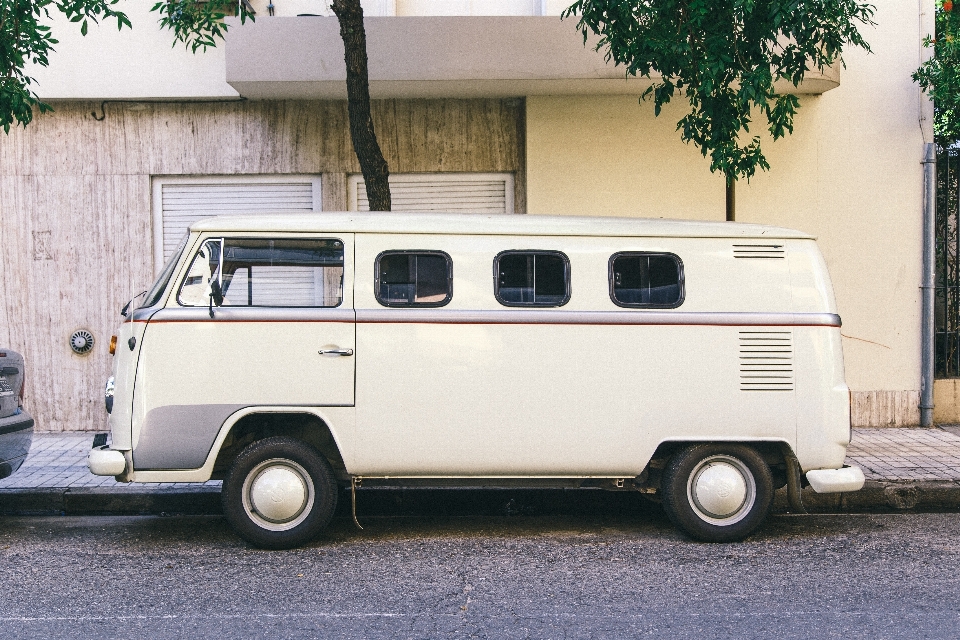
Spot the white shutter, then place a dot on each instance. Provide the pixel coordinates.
(448, 192)
(287, 287)
(182, 201)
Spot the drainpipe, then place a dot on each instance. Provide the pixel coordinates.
(927, 288)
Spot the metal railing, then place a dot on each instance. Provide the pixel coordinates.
(947, 301)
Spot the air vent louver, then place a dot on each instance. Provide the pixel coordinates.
(766, 361)
(758, 251)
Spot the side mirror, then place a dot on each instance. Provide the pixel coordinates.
(216, 293)
(216, 275)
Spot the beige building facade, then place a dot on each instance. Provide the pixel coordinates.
(517, 116)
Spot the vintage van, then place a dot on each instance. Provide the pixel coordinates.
(291, 355)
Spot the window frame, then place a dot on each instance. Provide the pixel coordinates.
(567, 272)
(223, 242)
(413, 305)
(647, 305)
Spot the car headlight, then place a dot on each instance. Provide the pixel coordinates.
(108, 394)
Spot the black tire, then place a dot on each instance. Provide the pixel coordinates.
(295, 486)
(717, 492)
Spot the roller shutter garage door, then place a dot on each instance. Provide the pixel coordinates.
(450, 192)
(182, 201)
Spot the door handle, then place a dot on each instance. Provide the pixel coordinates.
(336, 352)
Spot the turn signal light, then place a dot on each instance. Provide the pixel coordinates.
(113, 344)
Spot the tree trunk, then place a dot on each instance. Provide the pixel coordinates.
(372, 163)
(731, 198)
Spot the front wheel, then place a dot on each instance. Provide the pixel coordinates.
(279, 493)
(717, 492)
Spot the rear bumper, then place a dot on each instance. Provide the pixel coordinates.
(16, 434)
(16, 423)
(836, 480)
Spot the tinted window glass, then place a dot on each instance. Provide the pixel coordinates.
(532, 278)
(268, 273)
(407, 279)
(646, 279)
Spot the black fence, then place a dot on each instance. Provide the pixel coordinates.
(947, 301)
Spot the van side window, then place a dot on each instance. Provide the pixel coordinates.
(652, 280)
(256, 272)
(414, 278)
(532, 278)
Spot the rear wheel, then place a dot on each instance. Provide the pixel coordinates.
(279, 493)
(717, 492)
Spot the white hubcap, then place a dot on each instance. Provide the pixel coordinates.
(278, 494)
(722, 490)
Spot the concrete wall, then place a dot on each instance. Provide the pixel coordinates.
(850, 174)
(946, 401)
(435, 56)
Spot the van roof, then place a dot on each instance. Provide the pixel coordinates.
(485, 224)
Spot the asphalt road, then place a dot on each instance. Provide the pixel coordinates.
(589, 576)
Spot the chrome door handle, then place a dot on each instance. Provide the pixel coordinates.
(336, 352)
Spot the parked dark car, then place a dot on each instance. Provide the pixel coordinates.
(16, 425)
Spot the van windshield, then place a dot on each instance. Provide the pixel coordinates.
(161, 283)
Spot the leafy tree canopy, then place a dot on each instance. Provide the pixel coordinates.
(940, 75)
(198, 25)
(25, 39)
(724, 56)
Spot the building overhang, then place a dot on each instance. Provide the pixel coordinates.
(435, 57)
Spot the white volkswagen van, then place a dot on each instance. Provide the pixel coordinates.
(292, 354)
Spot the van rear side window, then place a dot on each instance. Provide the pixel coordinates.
(532, 278)
(653, 280)
(414, 279)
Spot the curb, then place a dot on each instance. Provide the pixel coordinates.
(875, 497)
(887, 496)
(109, 501)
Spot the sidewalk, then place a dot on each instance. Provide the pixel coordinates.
(906, 469)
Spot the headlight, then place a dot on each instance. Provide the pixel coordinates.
(108, 394)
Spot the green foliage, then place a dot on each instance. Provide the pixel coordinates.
(724, 56)
(198, 25)
(26, 39)
(940, 75)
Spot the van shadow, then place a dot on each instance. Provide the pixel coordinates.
(437, 513)
(406, 512)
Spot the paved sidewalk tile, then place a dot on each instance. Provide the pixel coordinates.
(906, 454)
(59, 460)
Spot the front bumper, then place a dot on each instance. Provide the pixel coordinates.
(16, 434)
(103, 461)
(836, 480)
